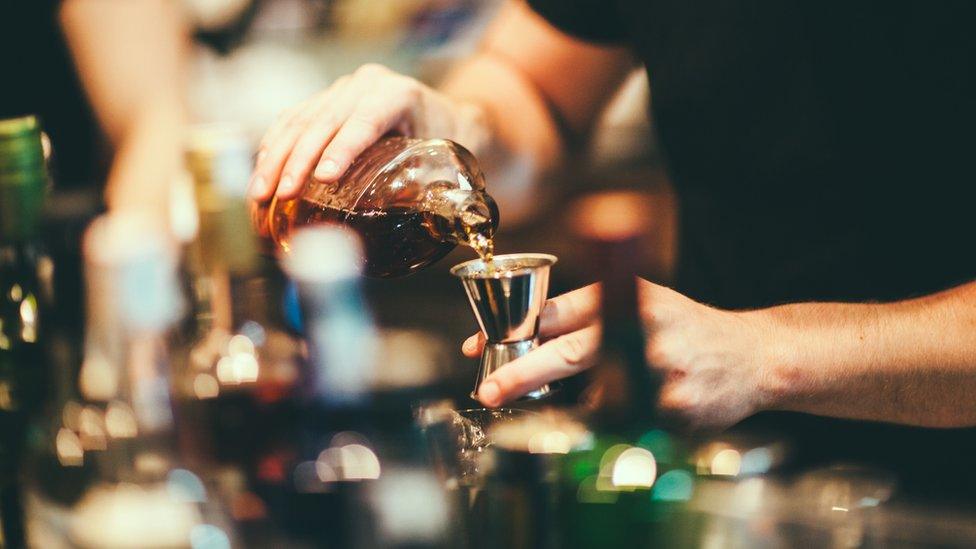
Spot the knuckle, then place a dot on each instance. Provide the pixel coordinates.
(407, 87)
(570, 349)
(671, 402)
(515, 379)
(287, 113)
(296, 122)
(656, 353)
(371, 70)
(367, 124)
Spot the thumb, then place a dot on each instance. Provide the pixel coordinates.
(557, 358)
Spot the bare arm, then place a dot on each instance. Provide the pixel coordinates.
(129, 55)
(910, 362)
(537, 85)
(507, 100)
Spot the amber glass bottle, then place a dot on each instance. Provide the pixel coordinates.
(410, 200)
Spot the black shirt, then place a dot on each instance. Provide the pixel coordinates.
(819, 151)
(38, 77)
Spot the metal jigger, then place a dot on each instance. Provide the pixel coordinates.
(507, 303)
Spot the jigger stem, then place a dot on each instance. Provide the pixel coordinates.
(497, 355)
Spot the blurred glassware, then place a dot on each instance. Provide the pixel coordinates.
(844, 501)
(411, 201)
(740, 455)
(239, 368)
(519, 504)
(354, 472)
(25, 306)
(458, 440)
(144, 496)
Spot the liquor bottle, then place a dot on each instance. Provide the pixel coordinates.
(240, 367)
(360, 465)
(411, 201)
(144, 495)
(612, 489)
(23, 266)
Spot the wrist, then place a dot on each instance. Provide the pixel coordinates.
(779, 374)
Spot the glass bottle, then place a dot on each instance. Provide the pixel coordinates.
(240, 366)
(23, 268)
(360, 474)
(410, 200)
(144, 495)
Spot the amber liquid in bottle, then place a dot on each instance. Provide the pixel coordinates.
(396, 241)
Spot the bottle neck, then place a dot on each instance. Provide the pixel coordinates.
(461, 214)
(23, 178)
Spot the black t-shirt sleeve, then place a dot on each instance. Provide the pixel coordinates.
(590, 20)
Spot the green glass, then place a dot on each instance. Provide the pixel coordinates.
(23, 178)
(23, 269)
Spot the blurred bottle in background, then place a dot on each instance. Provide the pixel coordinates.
(143, 496)
(411, 201)
(25, 277)
(359, 471)
(520, 506)
(239, 367)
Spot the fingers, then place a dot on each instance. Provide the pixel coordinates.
(473, 345)
(563, 314)
(323, 136)
(272, 157)
(561, 357)
(372, 118)
(570, 312)
(306, 152)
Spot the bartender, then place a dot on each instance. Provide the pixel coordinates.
(105, 79)
(821, 154)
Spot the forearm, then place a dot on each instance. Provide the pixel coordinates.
(539, 87)
(130, 56)
(502, 96)
(910, 362)
(147, 158)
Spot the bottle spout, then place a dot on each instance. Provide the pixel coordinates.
(477, 214)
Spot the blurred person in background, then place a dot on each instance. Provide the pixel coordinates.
(820, 159)
(105, 77)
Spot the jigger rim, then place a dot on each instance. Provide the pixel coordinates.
(475, 268)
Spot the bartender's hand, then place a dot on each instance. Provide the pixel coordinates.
(323, 135)
(707, 357)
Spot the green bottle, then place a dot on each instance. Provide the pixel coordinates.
(23, 182)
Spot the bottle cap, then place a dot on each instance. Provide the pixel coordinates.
(23, 177)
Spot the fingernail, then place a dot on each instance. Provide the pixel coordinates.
(489, 393)
(258, 185)
(286, 183)
(326, 170)
(469, 344)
